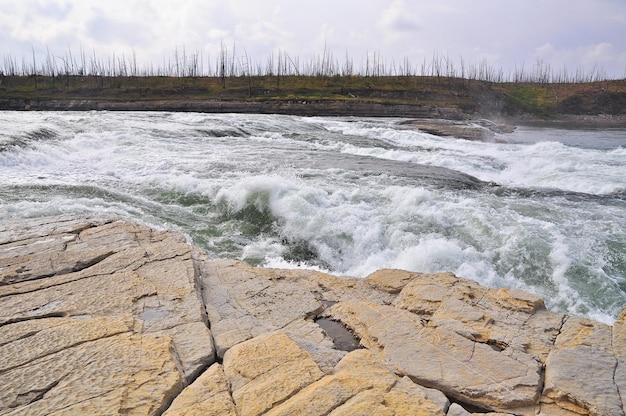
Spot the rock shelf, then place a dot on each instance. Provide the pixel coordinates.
(105, 316)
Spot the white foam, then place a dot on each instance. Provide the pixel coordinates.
(547, 164)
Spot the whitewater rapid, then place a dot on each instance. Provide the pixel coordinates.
(539, 209)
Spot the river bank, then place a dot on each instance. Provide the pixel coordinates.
(439, 121)
(289, 107)
(595, 104)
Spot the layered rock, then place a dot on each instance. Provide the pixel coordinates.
(97, 316)
(102, 316)
(472, 130)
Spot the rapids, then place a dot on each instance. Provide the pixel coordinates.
(539, 209)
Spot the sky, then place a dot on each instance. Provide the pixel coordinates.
(571, 35)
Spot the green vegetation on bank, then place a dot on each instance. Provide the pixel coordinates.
(232, 76)
(544, 100)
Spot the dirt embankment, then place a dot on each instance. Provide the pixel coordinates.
(598, 104)
(290, 107)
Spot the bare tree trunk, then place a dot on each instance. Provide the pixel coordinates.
(222, 68)
(34, 68)
(278, 73)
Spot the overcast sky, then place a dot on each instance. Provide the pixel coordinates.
(505, 33)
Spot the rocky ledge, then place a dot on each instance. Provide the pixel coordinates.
(471, 129)
(103, 316)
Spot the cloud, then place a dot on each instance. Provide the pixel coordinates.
(397, 19)
(602, 52)
(109, 30)
(508, 34)
(262, 33)
(545, 51)
(604, 58)
(35, 22)
(54, 10)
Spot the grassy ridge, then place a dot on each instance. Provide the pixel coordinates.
(542, 100)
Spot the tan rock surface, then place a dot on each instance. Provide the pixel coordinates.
(122, 373)
(243, 302)
(101, 316)
(266, 370)
(359, 384)
(208, 395)
(581, 374)
(468, 371)
(619, 336)
(104, 315)
(619, 349)
(502, 318)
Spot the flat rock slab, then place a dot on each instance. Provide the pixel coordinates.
(469, 130)
(469, 371)
(97, 315)
(272, 375)
(208, 395)
(103, 316)
(121, 373)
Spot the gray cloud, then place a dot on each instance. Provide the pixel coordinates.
(397, 18)
(506, 34)
(106, 29)
(53, 9)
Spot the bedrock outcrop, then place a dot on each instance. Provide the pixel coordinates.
(104, 316)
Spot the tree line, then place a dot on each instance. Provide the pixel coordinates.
(235, 61)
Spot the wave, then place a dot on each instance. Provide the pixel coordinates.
(619, 193)
(222, 132)
(538, 165)
(28, 139)
(613, 197)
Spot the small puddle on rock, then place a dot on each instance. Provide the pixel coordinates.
(343, 339)
(154, 314)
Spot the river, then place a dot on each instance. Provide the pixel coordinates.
(539, 209)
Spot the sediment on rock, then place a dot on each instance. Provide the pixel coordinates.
(104, 316)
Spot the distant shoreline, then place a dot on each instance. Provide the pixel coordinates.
(286, 107)
(310, 108)
(598, 104)
(569, 121)
(439, 121)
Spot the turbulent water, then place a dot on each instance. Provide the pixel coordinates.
(539, 209)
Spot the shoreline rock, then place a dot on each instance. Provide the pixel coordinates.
(289, 107)
(480, 129)
(103, 316)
